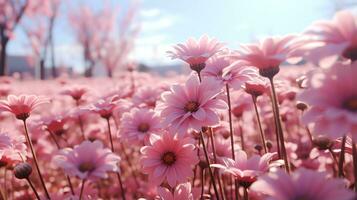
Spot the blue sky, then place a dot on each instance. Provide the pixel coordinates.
(166, 22)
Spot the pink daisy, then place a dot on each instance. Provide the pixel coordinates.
(168, 158)
(75, 91)
(139, 124)
(236, 74)
(147, 96)
(12, 147)
(332, 99)
(192, 105)
(88, 160)
(245, 170)
(21, 106)
(269, 53)
(327, 40)
(302, 184)
(105, 107)
(196, 53)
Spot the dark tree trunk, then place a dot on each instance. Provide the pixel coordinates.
(3, 56)
(42, 70)
(110, 73)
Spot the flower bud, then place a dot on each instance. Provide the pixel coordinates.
(22, 170)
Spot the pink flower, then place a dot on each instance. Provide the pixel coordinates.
(88, 160)
(196, 53)
(12, 147)
(236, 74)
(215, 66)
(302, 184)
(192, 105)
(147, 96)
(168, 158)
(75, 91)
(21, 106)
(104, 107)
(182, 191)
(257, 86)
(139, 124)
(247, 170)
(332, 99)
(327, 40)
(269, 53)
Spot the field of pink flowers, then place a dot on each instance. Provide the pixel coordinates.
(242, 125)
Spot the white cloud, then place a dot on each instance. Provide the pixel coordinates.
(157, 24)
(148, 13)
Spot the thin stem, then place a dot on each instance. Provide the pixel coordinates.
(5, 183)
(195, 169)
(199, 76)
(354, 155)
(209, 166)
(279, 127)
(33, 189)
(262, 136)
(241, 136)
(110, 135)
(202, 183)
(54, 139)
(35, 160)
(246, 197)
(80, 122)
(59, 147)
(215, 160)
(112, 148)
(236, 188)
(309, 134)
(333, 156)
(82, 188)
(230, 120)
(342, 157)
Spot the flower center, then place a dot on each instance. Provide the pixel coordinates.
(169, 158)
(143, 127)
(86, 167)
(191, 106)
(350, 53)
(351, 104)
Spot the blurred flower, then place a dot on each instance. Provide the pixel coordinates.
(332, 99)
(182, 191)
(302, 184)
(329, 40)
(21, 106)
(88, 160)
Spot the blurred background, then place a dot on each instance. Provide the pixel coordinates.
(48, 38)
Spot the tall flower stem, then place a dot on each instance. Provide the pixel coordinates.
(215, 160)
(202, 182)
(5, 183)
(354, 155)
(35, 160)
(80, 122)
(279, 127)
(112, 148)
(59, 147)
(262, 136)
(82, 188)
(246, 196)
(209, 166)
(33, 188)
(230, 120)
(342, 157)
